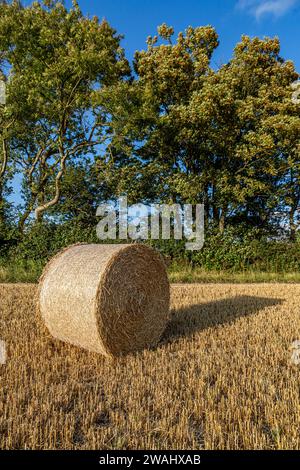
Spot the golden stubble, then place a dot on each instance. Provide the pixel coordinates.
(221, 377)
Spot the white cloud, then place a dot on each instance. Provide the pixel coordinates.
(259, 8)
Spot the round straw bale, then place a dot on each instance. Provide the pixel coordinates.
(110, 299)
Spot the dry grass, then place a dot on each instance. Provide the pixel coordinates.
(221, 378)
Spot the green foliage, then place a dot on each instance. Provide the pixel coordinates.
(81, 129)
(59, 62)
(227, 138)
(233, 252)
(43, 240)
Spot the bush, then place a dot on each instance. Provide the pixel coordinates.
(234, 251)
(42, 241)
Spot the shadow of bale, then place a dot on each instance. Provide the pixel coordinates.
(194, 318)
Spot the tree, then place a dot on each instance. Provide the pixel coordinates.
(6, 168)
(59, 62)
(246, 103)
(146, 153)
(227, 138)
(81, 195)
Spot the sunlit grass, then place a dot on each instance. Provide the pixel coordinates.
(16, 272)
(31, 270)
(200, 275)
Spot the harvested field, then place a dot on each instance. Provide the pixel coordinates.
(221, 377)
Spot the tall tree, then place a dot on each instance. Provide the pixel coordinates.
(59, 62)
(247, 107)
(7, 121)
(148, 120)
(228, 138)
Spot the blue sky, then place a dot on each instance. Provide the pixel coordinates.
(137, 19)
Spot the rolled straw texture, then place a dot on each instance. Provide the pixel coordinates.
(110, 299)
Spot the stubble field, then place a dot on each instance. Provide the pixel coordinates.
(221, 377)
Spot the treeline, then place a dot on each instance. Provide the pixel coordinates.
(81, 125)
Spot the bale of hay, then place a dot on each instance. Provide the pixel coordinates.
(110, 299)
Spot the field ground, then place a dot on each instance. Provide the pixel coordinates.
(221, 377)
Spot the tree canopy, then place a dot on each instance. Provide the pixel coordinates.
(81, 125)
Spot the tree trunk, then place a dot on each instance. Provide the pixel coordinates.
(40, 209)
(215, 211)
(222, 220)
(2, 175)
(293, 225)
(40, 201)
(28, 210)
(22, 220)
(2, 211)
(206, 207)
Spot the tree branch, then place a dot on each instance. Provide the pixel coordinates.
(5, 158)
(42, 208)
